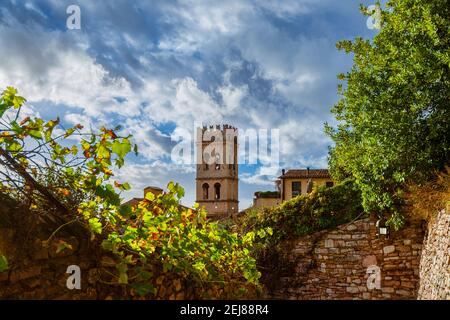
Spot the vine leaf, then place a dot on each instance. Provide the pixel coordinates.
(63, 245)
(3, 263)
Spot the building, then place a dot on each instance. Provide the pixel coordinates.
(290, 184)
(156, 191)
(266, 199)
(217, 170)
(134, 201)
(301, 181)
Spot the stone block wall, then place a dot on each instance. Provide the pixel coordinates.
(435, 261)
(336, 264)
(349, 262)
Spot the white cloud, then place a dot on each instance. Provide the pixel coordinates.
(263, 176)
(204, 21)
(151, 142)
(27, 110)
(232, 96)
(157, 174)
(54, 66)
(180, 101)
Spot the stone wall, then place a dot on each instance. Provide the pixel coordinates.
(333, 264)
(337, 264)
(260, 202)
(435, 261)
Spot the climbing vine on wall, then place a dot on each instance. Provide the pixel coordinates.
(325, 207)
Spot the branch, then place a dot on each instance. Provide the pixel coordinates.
(16, 167)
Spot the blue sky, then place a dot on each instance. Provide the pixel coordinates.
(156, 67)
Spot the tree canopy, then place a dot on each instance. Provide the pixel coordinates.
(394, 108)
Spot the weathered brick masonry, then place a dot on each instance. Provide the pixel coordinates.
(38, 271)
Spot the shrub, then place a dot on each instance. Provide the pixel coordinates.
(425, 199)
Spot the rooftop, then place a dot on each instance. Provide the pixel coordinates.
(267, 194)
(306, 173)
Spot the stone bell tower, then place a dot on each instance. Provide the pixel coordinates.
(217, 170)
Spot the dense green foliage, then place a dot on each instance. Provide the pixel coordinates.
(184, 241)
(42, 169)
(323, 208)
(395, 108)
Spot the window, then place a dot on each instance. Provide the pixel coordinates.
(296, 188)
(329, 184)
(205, 188)
(217, 191)
(206, 167)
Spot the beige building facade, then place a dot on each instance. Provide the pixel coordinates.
(290, 184)
(300, 181)
(266, 199)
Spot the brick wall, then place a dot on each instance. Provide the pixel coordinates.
(435, 261)
(38, 271)
(335, 264)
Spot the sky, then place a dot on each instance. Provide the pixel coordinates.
(159, 67)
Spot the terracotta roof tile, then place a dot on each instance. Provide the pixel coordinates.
(305, 173)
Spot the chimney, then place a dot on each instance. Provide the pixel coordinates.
(283, 172)
(307, 172)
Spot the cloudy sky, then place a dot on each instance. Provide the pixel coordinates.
(158, 67)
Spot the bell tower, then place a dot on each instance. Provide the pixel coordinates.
(217, 170)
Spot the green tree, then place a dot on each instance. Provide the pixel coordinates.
(394, 110)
